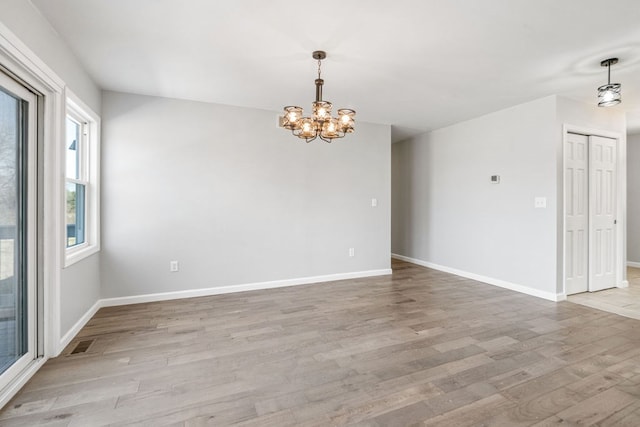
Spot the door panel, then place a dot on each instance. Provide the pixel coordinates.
(602, 198)
(17, 228)
(577, 213)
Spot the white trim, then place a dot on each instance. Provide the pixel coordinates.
(489, 280)
(163, 296)
(581, 130)
(623, 284)
(71, 333)
(54, 238)
(92, 146)
(633, 264)
(23, 57)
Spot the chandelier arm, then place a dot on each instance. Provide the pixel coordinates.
(298, 135)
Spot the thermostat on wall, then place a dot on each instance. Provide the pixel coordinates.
(495, 179)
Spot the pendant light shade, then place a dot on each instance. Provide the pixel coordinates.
(609, 94)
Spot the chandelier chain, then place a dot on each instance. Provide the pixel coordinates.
(319, 64)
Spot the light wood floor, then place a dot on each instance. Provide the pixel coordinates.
(622, 301)
(420, 347)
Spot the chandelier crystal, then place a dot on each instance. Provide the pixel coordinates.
(609, 94)
(320, 124)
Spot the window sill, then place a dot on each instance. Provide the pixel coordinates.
(75, 255)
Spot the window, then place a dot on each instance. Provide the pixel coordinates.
(76, 181)
(81, 154)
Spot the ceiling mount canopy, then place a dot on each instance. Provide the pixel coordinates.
(609, 94)
(320, 124)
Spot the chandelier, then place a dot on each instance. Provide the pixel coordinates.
(609, 94)
(320, 124)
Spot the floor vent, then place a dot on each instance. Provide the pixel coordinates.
(82, 347)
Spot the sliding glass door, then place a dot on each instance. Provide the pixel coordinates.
(18, 240)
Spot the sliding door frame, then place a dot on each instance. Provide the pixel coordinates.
(26, 242)
(20, 63)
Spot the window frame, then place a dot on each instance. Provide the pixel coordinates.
(82, 174)
(88, 175)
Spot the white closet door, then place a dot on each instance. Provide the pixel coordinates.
(577, 214)
(602, 201)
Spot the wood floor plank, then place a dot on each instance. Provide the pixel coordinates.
(419, 347)
(597, 408)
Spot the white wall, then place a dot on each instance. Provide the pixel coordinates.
(80, 283)
(633, 198)
(577, 113)
(27, 23)
(233, 198)
(447, 212)
(79, 290)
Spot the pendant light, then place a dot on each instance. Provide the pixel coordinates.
(609, 94)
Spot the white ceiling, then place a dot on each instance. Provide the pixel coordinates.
(414, 64)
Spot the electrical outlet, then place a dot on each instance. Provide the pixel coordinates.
(352, 252)
(174, 266)
(374, 203)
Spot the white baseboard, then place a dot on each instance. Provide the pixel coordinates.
(489, 280)
(623, 284)
(71, 333)
(633, 264)
(164, 296)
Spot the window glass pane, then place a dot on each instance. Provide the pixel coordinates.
(75, 213)
(13, 315)
(73, 149)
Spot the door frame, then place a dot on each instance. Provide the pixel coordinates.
(621, 200)
(17, 60)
